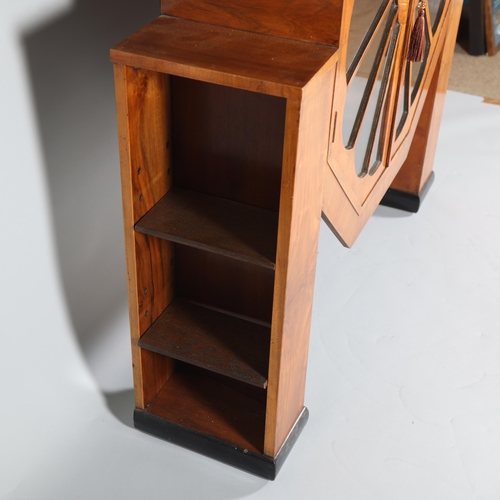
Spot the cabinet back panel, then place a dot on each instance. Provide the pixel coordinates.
(313, 21)
(227, 142)
(228, 284)
(251, 391)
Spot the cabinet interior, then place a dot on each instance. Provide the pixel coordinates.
(217, 226)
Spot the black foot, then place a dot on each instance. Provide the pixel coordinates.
(402, 200)
(260, 465)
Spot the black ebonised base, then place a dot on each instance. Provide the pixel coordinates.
(260, 465)
(408, 202)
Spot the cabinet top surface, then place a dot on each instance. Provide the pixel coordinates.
(251, 61)
(313, 21)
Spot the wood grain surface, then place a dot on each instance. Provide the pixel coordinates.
(210, 223)
(228, 142)
(339, 212)
(268, 65)
(306, 137)
(312, 21)
(226, 284)
(418, 166)
(143, 132)
(211, 340)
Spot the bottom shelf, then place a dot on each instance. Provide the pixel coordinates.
(215, 406)
(254, 463)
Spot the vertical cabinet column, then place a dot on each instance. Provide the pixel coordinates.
(142, 109)
(222, 194)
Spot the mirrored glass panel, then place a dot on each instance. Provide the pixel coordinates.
(403, 100)
(365, 14)
(413, 77)
(368, 76)
(435, 9)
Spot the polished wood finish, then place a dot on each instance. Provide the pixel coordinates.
(214, 224)
(228, 142)
(212, 340)
(312, 21)
(142, 104)
(230, 121)
(300, 213)
(417, 166)
(288, 295)
(225, 284)
(237, 59)
(348, 201)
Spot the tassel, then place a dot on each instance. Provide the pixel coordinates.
(417, 40)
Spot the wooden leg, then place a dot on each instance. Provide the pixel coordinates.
(415, 176)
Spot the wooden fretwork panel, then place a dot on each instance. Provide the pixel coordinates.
(377, 124)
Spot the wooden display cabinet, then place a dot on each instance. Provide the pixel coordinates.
(229, 124)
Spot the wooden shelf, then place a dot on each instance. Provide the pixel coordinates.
(212, 340)
(210, 223)
(198, 402)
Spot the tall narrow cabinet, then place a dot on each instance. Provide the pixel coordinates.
(227, 118)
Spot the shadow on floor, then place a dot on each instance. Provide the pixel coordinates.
(390, 213)
(121, 404)
(72, 87)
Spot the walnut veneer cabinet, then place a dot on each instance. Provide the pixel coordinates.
(233, 145)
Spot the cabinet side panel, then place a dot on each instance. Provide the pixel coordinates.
(143, 132)
(148, 105)
(155, 290)
(306, 141)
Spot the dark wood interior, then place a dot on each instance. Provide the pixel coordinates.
(227, 114)
(220, 220)
(312, 21)
(196, 400)
(214, 224)
(227, 142)
(213, 340)
(241, 59)
(230, 285)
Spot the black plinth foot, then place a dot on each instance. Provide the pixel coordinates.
(260, 465)
(408, 202)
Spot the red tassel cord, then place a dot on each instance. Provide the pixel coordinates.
(417, 40)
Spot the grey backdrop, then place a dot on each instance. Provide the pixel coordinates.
(72, 85)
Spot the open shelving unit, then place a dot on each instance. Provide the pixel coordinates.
(217, 184)
(231, 151)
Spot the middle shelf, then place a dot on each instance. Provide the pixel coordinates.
(229, 228)
(213, 340)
